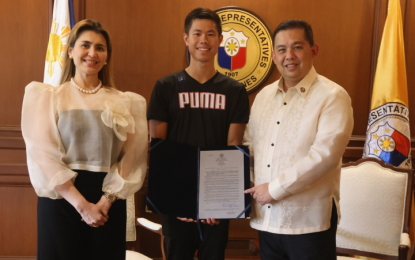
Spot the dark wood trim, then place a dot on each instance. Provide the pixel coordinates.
(375, 50)
(81, 10)
(14, 175)
(406, 20)
(12, 143)
(16, 128)
(353, 152)
(404, 6)
(408, 202)
(366, 254)
(15, 169)
(358, 138)
(17, 257)
(11, 138)
(15, 184)
(353, 138)
(382, 163)
(50, 16)
(403, 252)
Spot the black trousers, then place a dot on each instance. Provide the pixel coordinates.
(63, 236)
(182, 239)
(312, 246)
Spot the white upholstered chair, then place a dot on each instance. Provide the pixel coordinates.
(375, 201)
(154, 227)
(131, 255)
(131, 232)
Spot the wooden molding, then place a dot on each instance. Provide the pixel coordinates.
(15, 181)
(17, 257)
(50, 17)
(404, 7)
(14, 173)
(11, 138)
(16, 128)
(12, 143)
(15, 169)
(81, 10)
(15, 184)
(363, 253)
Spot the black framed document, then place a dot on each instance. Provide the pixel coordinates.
(198, 182)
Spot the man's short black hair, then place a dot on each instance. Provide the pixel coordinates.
(202, 13)
(295, 24)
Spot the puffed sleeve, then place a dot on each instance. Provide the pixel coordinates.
(127, 176)
(43, 143)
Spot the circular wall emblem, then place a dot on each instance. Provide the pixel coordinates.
(245, 51)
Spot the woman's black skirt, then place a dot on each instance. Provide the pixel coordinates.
(63, 236)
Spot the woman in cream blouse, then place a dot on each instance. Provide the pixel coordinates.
(86, 146)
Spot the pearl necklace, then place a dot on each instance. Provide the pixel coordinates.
(95, 90)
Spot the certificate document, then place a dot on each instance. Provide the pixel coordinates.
(221, 184)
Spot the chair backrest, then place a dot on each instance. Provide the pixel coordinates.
(375, 200)
(150, 225)
(156, 228)
(132, 255)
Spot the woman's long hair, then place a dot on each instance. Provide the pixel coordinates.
(105, 74)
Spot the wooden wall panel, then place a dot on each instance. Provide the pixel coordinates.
(24, 27)
(409, 34)
(18, 229)
(150, 45)
(18, 203)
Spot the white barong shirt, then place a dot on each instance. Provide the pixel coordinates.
(297, 139)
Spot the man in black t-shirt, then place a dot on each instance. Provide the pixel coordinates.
(201, 107)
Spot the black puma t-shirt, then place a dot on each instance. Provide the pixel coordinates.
(198, 114)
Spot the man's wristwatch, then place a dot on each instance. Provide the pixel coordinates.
(110, 197)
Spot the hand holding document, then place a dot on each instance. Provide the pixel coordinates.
(198, 183)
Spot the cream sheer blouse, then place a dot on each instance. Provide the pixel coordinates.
(65, 130)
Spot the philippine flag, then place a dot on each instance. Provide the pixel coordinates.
(62, 22)
(232, 50)
(389, 145)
